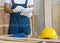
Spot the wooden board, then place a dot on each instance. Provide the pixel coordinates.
(27, 40)
(4, 20)
(34, 26)
(56, 18)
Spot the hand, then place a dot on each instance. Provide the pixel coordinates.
(18, 9)
(27, 12)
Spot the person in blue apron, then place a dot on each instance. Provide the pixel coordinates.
(19, 16)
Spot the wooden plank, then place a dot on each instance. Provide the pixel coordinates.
(34, 26)
(1, 17)
(27, 39)
(5, 30)
(56, 18)
(16, 39)
(6, 17)
(1, 30)
(6, 23)
(1, 41)
(4, 20)
(48, 13)
(1, 20)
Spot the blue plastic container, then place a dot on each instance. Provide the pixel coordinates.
(18, 35)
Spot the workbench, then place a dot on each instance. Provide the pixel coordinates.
(5, 39)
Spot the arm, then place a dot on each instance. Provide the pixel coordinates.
(31, 6)
(7, 8)
(27, 11)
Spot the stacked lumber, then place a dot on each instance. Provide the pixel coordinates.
(4, 21)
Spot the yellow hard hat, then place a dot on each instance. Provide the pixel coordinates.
(48, 33)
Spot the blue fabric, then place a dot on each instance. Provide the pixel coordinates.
(19, 23)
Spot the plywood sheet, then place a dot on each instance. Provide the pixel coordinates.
(56, 18)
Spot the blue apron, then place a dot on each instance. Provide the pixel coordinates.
(19, 23)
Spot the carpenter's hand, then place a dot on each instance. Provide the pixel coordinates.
(18, 9)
